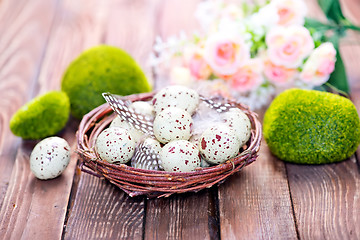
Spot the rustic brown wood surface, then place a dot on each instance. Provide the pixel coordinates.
(269, 199)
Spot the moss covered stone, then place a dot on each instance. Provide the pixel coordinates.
(101, 69)
(43, 116)
(311, 127)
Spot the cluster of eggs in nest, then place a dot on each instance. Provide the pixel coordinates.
(177, 131)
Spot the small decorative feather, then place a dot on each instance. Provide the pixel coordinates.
(217, 106)
(146, 157)
(136, 120)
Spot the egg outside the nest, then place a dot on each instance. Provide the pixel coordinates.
(49, 158)
(180, 156)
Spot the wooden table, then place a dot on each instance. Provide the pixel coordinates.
(269, 199)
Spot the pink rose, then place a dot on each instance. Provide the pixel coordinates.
(225, 54)
(319, 65)
(289, 46)
(198, 67)
(279, 75)
(290, 12)
(247, 77)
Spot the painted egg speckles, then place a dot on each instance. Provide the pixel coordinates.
(219, 143)
(115, 145)
(180, 156)
(176, 96)
(49, 158)
(172, 124)
(121, 123)
(240, 122)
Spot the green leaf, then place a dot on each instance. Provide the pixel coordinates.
(338, 78)
(325, 5)
(332, 10)
(316, 24)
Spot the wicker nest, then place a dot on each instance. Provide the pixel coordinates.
(153, 183)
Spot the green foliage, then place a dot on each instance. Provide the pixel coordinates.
(43, 116)
(101, 69)
(337, 25)
(311, 127)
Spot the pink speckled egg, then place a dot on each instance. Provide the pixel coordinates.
(240, 122)
(115, 145)
(176, 96)
(180, 156)
(219, 143)
(172, 124)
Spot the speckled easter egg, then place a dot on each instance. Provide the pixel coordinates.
(180, 156)
(115, 145)
(172, 124)
(219, 143)
(121, 123)
(240, 122)
(50, 157)
(176, 96)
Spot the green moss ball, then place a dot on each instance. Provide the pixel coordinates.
(311, 127)
(101, 69)
(43, 116)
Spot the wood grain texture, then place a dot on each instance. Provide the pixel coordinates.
(184, 216)
(42, 212)
(326, 200)
(102, 211)
(78, 25)
(20, 59)
(255, 203)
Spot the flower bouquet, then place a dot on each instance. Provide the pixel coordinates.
(251, 52)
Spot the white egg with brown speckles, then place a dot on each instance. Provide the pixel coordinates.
(121, 123)
(176, 96)
(50, 157)
(240, 122)
(180, 156)
(219, 143)
(115, 145)
(172, 124)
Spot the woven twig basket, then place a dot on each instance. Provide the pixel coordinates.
(152, 183)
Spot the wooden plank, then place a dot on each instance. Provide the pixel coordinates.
(102, 211)
(326, 200)
(255, 203)
(20, 59)
(185, 216)
(24, 216)
(129, 25)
